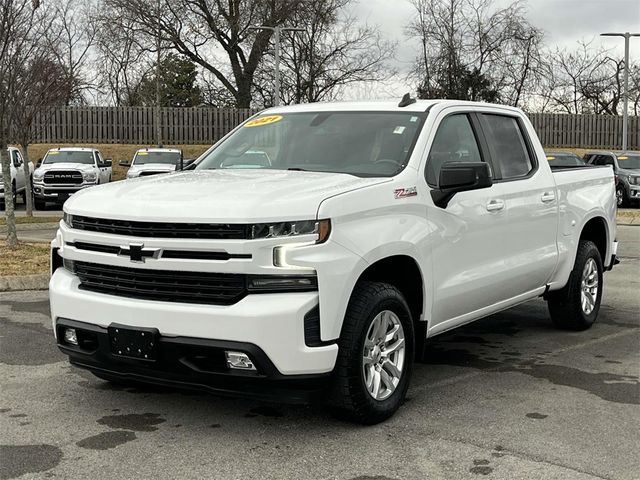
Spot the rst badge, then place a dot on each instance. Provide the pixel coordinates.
(405, 192)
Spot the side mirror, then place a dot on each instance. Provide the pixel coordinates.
(460, 177)
(187, 162)
(38, 163)
(108, 162)
(124, 163)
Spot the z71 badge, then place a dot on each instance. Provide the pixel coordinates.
(405, 192)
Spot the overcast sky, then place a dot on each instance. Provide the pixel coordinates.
(565, 22)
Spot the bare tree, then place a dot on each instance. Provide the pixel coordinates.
(20, 42)
(71, 37)
(471, 49)
(214, 34)
(335, 50)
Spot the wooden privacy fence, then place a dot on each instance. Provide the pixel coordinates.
(136, 125)
(204, 125)
(585, 131)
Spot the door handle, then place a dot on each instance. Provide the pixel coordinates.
(495, 205)
(548, 197)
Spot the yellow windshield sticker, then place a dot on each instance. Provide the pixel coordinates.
(551, 158)
(261, 121)
(623, 158)
(143, 153)
(53, 152)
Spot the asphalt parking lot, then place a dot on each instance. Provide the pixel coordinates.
(507, 397)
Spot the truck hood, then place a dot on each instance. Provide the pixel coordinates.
(628, 171)
(152, 167)
(234, 196)
(64, 166)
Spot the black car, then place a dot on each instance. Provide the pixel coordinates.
(626, 166)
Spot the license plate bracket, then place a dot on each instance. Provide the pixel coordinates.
(133, 342)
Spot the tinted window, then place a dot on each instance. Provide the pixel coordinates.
(357, 143)
(603, 160)
(16, 157)
(454, 142)
(564, 160)
(507, 145)
(629, 160)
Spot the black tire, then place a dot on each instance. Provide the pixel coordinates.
(621, 197)
(350, 398)
(565, 305)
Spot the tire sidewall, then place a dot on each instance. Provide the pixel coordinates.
(593, 253)
(398, 306)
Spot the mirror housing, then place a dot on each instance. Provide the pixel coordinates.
(38, 163)
(460, 177)
(124, 163)
(108, 162)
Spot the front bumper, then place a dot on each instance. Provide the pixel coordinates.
(274, 323)
(57, 193)
(192, 363)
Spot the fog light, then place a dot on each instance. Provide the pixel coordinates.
(70, 336)
(239, 360)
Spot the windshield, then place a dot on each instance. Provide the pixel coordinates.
(358, 143)
(630, 161)
(62, 156)
(167, 158)
(564, 160)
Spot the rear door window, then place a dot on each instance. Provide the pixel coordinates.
(603, 160)
(455, 141)
(508, 146)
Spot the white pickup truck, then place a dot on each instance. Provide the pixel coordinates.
(65, 171)
(18, 177)
(153, 161)
(372, 227)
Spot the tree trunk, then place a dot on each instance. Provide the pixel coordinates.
(28, 189)
(12, 236)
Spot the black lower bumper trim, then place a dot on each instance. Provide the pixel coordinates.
(191, 363)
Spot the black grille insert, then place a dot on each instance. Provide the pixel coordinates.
(162, 285)
(63, 177)
(162, 230)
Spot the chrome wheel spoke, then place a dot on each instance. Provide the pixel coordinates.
(389, 350)
(392, 369)
(387, 381)
(589, 286)
(383, 355)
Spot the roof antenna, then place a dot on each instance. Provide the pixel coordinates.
(406, 100)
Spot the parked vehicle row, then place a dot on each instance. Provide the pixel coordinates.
(314, 250)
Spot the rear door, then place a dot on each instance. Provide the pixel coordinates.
(526, 188)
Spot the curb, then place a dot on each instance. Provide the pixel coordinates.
(24, 282)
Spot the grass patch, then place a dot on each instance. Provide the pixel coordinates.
(22, 220)
(26, 259)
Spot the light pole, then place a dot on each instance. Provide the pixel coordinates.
(158, 96)
(277, 31)
(625, 113)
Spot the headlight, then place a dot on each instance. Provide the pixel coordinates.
(634, 180)
(89, 176)
(322, 228)
(68, 219)
(38, 175)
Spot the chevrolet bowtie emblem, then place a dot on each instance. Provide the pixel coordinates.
(137, 253)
